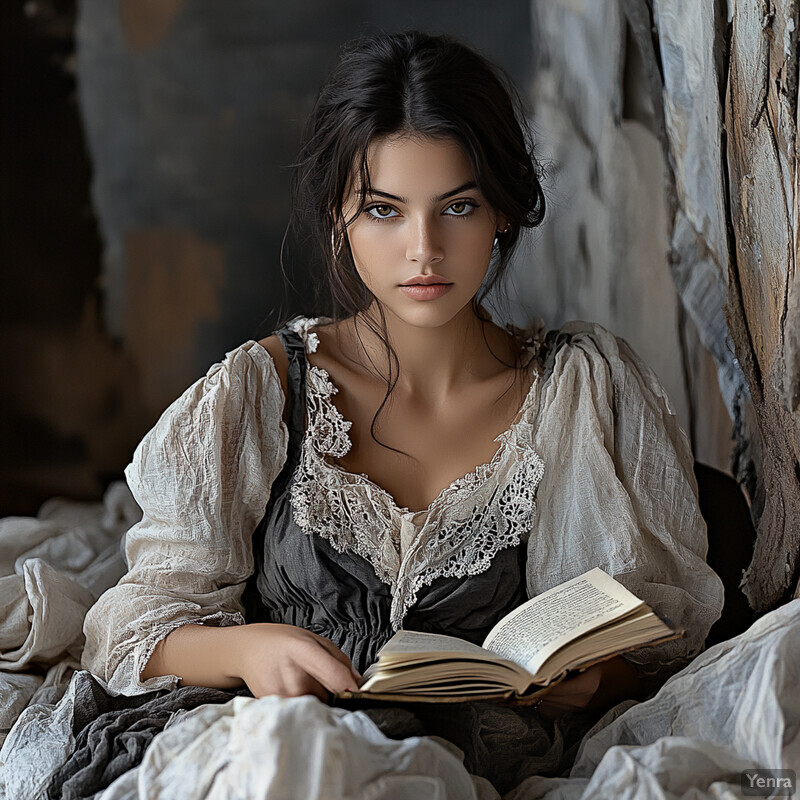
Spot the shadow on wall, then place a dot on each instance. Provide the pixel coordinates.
(191, 113)
(68, 405)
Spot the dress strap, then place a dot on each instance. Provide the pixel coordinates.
(553, 342)
(294, 346)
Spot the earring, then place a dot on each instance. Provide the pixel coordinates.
(499, 233)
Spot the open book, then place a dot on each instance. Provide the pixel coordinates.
(570, 627)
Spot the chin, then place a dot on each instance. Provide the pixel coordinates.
(431, 314)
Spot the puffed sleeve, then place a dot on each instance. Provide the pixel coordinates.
(202, 477)
(619, 491)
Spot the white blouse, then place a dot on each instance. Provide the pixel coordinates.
(595, 471)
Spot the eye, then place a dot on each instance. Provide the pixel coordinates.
(461, 208)
(381, 211)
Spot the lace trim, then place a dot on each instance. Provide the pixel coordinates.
(468, 523)
(349, 519)
(327, 428)
(467, 547)
(302, 326)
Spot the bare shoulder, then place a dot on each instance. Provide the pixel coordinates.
(340, 347)
(273, 345)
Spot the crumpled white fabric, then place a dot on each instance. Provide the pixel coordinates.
(16, 691)
(38, 745)
(276, 748)
(44, 611)
(52, 568)
(735, 707)
(41, 616)
(82, 540)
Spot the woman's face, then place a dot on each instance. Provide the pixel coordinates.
(423, 242)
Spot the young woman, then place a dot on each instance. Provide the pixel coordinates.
(407, 461)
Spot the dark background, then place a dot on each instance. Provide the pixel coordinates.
(144, 156)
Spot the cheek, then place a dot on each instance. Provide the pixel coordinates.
(373, 246)
(473, 247)
(361, 249)
(369, 252)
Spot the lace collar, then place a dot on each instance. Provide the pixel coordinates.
(466, 525)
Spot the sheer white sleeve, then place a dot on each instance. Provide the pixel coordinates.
(202, 477)
(619, 491)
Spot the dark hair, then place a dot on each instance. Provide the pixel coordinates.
(416, 84)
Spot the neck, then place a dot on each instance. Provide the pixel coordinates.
(435, 361)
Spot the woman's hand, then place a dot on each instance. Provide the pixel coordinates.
(289, 661)
(599, 686)
(572, 694)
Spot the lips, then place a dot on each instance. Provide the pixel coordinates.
(425, 291)
(426, 280)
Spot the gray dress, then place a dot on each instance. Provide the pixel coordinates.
(302, 580)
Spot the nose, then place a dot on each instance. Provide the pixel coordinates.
(424, 245)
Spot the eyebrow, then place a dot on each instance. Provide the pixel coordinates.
(463, 188)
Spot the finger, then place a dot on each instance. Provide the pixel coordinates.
(296, 682)
(329, 671)
(331, 648)
(313, 687)
(336, 653)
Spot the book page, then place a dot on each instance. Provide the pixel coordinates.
(410, 659)
(535, 630)
(431, 643)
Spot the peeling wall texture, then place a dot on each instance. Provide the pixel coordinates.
(182, 120)
(604, 252)
(193, 114)
(674, 127)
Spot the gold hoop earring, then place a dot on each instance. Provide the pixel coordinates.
(499, 233)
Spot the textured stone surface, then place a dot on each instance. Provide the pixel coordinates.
(722, 84)
(605, 252)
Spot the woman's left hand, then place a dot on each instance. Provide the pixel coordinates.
(602, 685)
(572, 694)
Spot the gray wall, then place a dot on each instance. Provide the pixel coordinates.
(193, 113)
(119, 293)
